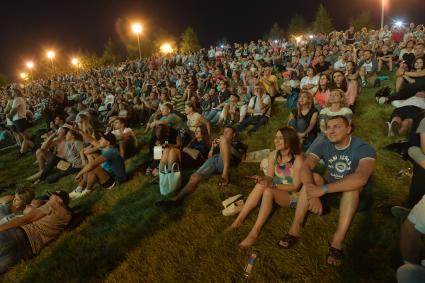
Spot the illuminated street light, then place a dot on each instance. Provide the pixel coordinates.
(311, 36)
(166, 48)
(23, 76)
(75, 62)
(51, 55)
(30, 66)
(137, 29)
(298, 39)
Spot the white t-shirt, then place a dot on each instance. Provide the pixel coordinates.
(339, 65)
(254, 104)
(306, 80)
(19, 104)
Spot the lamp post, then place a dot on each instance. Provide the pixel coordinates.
(51, 55)
(30, 66)
(382, 13)
(137, 29)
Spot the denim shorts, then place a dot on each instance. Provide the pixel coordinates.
(14, 247)
(212, 166)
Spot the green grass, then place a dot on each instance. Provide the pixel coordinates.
(127, 239)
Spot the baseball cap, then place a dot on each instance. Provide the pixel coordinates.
(62, 194)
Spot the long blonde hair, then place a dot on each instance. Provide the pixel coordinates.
(85, 125)
(310, 102)
(343, 102)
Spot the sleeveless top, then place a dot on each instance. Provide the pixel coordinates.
(283, 173)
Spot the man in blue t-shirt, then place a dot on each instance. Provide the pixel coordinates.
(349, 163)
(107, 169)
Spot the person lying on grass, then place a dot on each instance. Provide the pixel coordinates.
(225, 152)
(280, 185)
(350, 162)
(107, 169)
(13, 205)
(23, 237)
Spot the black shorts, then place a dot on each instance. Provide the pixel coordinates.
(20, 125)
(333, 200)
(406, 112)
(187, 162)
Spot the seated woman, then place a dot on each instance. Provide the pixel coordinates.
(23, 237)
(280, 185)
(193, 155)
(170, 140)
(351, 75)
(195, 119)
(310, 82)
(13, 205)
(322, 94)
(304, 119)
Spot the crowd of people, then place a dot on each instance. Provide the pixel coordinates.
(181, 101)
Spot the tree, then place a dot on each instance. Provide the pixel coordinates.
(276, 32)
(189, 41)
(323, 22)
(297, 25)
(362, 20)
(4, 80)
(110, 54)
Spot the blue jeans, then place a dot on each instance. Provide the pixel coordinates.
(211, 166)
(14, 247)
(213, 116)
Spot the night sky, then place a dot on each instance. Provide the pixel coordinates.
(29, 27)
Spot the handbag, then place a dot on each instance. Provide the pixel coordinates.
(63, 165)
(194, 153)
(169, 179)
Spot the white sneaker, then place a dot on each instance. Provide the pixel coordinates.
(111, 186)
(382, 100)
(76, 193)
(388, 129)
(85, 192)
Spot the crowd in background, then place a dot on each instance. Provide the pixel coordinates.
(183, 100)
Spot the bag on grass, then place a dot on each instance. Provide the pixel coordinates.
(63, 165)
(169, 179)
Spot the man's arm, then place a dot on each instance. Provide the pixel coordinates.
(32, 216)
(415, 74)
(356, 180)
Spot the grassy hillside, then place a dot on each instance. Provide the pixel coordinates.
(127, 239)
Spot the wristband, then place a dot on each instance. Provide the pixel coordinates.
(325, 189)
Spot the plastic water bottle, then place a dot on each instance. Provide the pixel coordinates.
(249, 266)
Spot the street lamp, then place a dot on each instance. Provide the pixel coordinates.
(166, 48)
(382, 13)
(137, 29)
(30, 66)
(23, 76)
(75, 62)
(51, 55)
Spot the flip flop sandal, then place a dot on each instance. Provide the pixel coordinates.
(231, 200)
(234, 208)
(289, 239)
(336, 254)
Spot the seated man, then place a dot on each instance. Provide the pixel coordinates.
(126, 138)
(108, 168)
(350, 163)
(225, 152)
(25, 236)
(367, 69)
(411, 245)
(259, 108)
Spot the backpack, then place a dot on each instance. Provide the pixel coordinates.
(383, 92)
(292, 100)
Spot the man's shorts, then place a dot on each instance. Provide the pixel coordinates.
(20, 125)
(334, 199)
(417, 216)
(214, 165)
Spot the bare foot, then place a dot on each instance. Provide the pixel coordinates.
(248, 241)
(235, 225)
